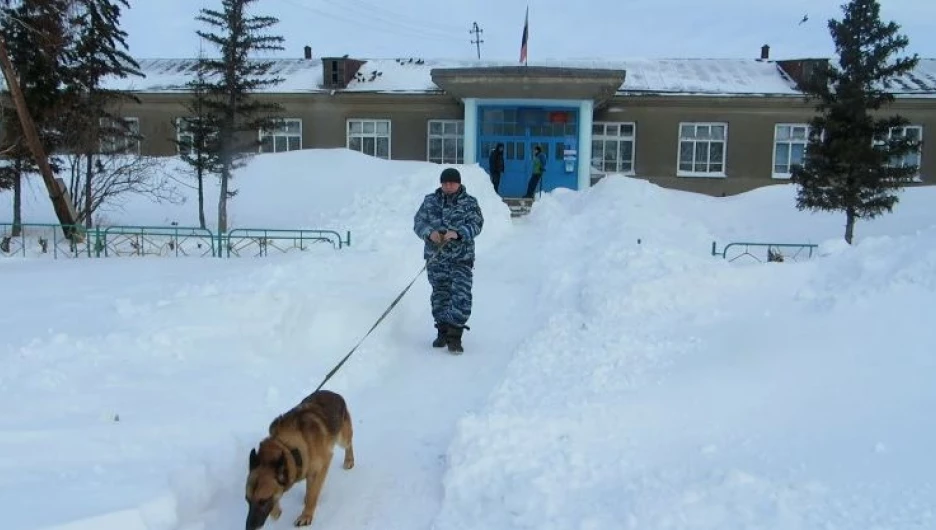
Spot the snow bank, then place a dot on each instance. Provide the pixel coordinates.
(665, 389)
(616, 374)
(312, 188)
(146, 339)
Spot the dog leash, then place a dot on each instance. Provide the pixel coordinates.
(383, 316)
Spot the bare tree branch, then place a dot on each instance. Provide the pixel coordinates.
(117, 178)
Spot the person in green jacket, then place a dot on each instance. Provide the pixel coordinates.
(539, 167)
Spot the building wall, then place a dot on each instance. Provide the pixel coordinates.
(324, 119)
(156, 115)
(922, 112)
(750, 136)
(750, 133)
(409, 116)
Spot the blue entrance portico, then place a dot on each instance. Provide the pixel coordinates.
(561, 128)
(527, 106)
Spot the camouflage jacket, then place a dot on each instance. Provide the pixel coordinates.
(459, 212)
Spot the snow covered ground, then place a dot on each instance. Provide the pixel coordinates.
(616, 374)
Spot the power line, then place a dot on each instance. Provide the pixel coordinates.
(409, 17)
(371, 22)
(477, 31)
(362, 12)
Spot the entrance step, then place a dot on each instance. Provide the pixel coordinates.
(518, 206)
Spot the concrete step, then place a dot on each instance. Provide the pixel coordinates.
(518, 206)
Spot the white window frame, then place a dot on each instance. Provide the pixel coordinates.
(613, 132)
(724, 141)
(458, 137)
(363, 134)
(181, 128)
(109, 146)
(280, 130)
(918, 154)
(790, 141)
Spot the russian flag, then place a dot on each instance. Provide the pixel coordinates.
(526, 36)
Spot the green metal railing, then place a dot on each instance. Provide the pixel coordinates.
(178, 241)
(42, 239)
(772, 252)
(261, 240)
(38, 239)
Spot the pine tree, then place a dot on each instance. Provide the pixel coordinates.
(36, 38)
(198, 141)
(99, 52)
(852, 158)
(100, 46)
(234, 78)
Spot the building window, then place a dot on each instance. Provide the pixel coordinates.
(371, 137)
(914, 133)
(446, 140)
(283, 135)
(613, 147)
(790, 141)
(119, 136)
(702, 149)
(185, 135)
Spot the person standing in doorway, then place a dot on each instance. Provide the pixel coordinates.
(496, 165)
(539, 167)
(448, 221)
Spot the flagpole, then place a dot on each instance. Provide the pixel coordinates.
(526, 36)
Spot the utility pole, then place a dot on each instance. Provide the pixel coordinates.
(476, 31)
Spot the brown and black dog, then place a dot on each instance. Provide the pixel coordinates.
(300, 446)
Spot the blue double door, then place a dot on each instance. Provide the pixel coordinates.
(521, 130)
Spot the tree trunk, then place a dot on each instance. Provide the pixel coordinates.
(74, 170)
(223, 196)
(18, 199)
(849, 224)
(200, 175)
(89, 199)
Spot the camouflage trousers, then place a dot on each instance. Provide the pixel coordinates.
(451, 291)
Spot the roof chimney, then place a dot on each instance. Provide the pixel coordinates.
(765, 52)
(308, 52)
(337, 72)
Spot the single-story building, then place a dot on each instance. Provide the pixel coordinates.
(716, 126)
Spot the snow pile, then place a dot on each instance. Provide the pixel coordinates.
(321, 188)
(672, 391)
(616, 374)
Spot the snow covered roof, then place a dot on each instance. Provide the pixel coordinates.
(673, 76)
(171, 75)
(921, 82)
(715, 77)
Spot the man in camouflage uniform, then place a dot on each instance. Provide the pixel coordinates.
(448, 221)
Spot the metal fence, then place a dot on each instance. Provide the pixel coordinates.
(260, 241)
(765, 252)
(42, 240)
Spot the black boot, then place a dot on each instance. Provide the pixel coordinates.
(441, 338)
(454, 339)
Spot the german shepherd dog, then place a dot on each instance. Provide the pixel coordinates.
(299, 447)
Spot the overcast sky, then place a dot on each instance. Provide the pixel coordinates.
(559, 29)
